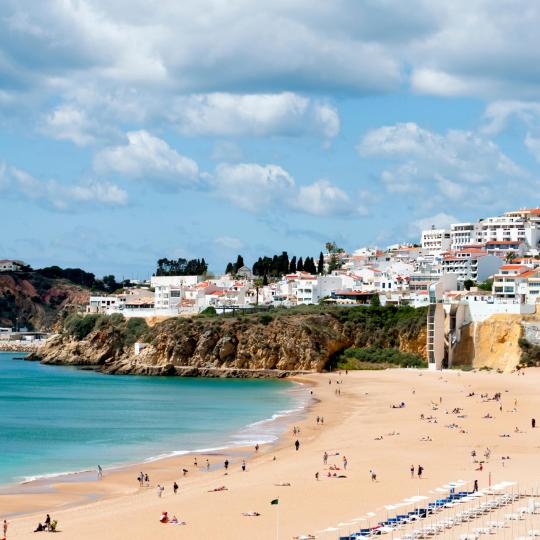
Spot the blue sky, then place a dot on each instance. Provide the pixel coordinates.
(212, 128)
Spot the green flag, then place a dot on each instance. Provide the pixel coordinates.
(274, 501)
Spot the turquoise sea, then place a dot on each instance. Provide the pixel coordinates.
(55, 420)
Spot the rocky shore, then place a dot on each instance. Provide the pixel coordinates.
(19, 346)
(256, 346)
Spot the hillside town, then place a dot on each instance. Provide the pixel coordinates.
(496, 259)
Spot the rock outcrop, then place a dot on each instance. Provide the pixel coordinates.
(245, 346)
(29, 299)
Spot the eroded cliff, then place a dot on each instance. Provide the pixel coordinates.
(281, 343)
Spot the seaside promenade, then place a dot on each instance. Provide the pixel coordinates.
(446, 417)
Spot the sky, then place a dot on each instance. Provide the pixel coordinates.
(132, 130)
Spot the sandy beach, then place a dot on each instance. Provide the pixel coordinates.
(359, 423)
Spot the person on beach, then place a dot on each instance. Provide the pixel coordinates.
(475, 488)
(195, 464)
(297, 444)
(147, 480)
(412, 471)
(373, 475)
(175, 488)
(207, 465)
(243, 465)
(184, 472)
(420, 471)
(140, 478)
(257, 447)
(47, 522)
(318, 419)
(5, 528)
(99, 472)
(533, 423)
(317, 476)
(159, 490)
(325, 458)
(345, 462)
(226, 465)
(322, 419)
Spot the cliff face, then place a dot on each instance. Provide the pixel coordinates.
(493, 343)
(29, 299)
(288, 343)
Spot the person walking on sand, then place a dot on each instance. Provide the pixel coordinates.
(317, 476)
(160, 489)
(243, 465)
(533, 423)
(373, 475)
(99, 472)
(297, 444)
(322, 419)
(226, 465)
(412, 471)
(5, 529)
(147, 480)
(257, 447)
(420, 471)
(345, 462)
(475, 488)
(325, 458)
(175, 488)
(207, 465)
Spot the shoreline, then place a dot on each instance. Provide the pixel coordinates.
(53, 482)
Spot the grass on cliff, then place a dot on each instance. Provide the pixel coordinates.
(376, 358)
(127, 330)
(530, 354)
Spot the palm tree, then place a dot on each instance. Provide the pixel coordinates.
(258, 283)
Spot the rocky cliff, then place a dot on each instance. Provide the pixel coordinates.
(493, 343)
(290, 341)
(32, 300)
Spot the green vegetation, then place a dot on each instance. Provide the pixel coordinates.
(181, 267)
(210, 311)
(127, 331)
(486, 286)
(530, 354)
(377, 358)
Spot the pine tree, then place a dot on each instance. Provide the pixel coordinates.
(320, 266)
(300, 265)
(239, 263)
(229, 269)
(292, 265)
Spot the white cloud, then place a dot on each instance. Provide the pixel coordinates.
(57, 195)
(254, 114)
(453, 170)
(442, 220)
(322, 198)
(69, 123)
(251, 186)
(498, 114)
(148, 157)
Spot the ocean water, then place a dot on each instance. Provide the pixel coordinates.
(55, 420)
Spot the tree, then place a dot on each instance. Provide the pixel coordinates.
(309, 265)
(229, 269)
(487, 285)
(110, 284)
(258, 283)
(510, 256)
(300, 265)
(239, 263)
(335, 261)
(375, 301)
(467, 284)
(292, 265)
(181, 267)
(265, 280)
(320, 265)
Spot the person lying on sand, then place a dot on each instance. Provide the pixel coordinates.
(304, 537)
(283, 484)
(426, 438)
(379, 438)
(174, 521)
(220, 488)
(251, 514)
(164, 518)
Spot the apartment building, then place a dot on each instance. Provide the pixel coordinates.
(11, 265)
(435, 241)
(169, 289)
(463, 234)
(471, 263)
(508, 279)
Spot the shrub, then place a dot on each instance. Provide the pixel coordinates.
(210, 311)
(265, 319)
(356, 358)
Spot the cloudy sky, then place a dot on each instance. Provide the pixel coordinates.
(211, 128)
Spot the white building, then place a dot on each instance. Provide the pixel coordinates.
(169, 289)
(435, 240)
(11, 265)
(471, 263)
(463, 234)
(508, 280)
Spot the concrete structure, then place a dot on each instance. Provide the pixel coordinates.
(435, 241)
(471, 264)
(463, 234)
(11, 265)
(169, 289)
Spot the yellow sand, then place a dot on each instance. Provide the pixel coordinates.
(352, 422)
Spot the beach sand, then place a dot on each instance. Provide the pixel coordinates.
(116, 508)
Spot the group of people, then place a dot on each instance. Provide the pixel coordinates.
(143, 479)
(419, 471)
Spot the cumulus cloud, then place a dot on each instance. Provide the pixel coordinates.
(286, 113)
(148, 157)
(251, 186)
(60, 196)
(322, 198)
(266, 188)
(442, 220)
(453, 170)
